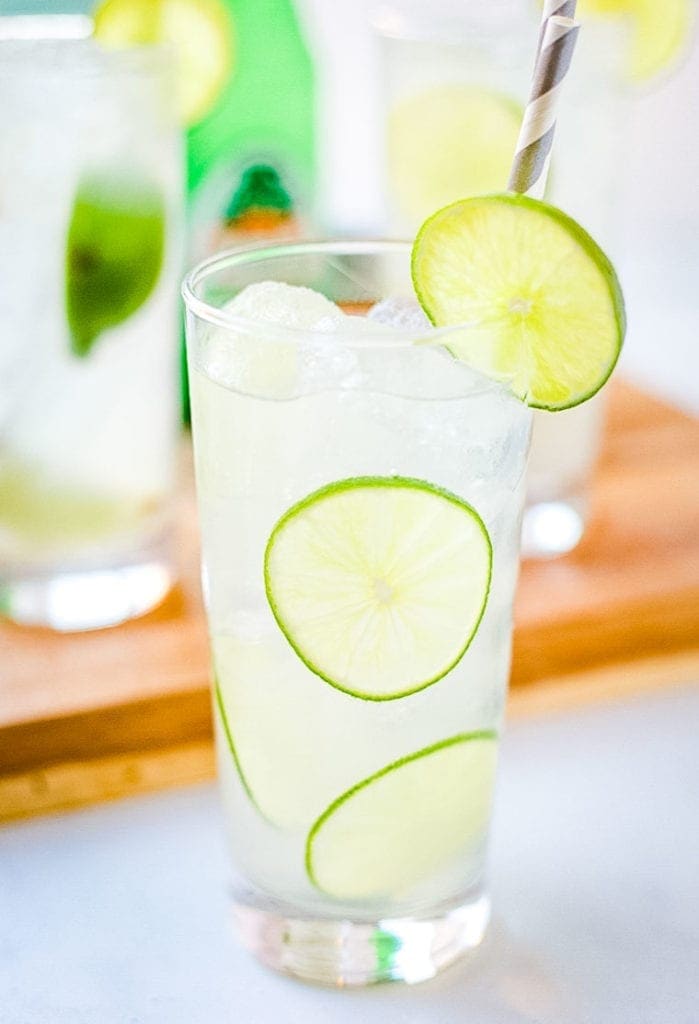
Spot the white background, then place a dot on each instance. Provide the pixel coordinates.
(119, 914)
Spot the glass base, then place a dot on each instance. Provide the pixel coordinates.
(551, 528)
(349, 953)
(86, 598)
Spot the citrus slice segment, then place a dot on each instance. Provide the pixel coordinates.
(200, 32)
(276, 731)
(449, 141)
(542, 302)
(405, 823)
(659, 31)
(379, 583)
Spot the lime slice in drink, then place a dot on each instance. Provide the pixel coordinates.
(543, 303)
(225, 719)
(659, 30)
(447, 142)
(379, 583)
(45, 513)
(200, 32)
(406, 822)
(264, 707)
(114, 254)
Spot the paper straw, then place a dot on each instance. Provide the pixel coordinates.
(533, 153)
(554, 8)
(560, 8)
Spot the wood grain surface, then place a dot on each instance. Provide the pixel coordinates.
(100, 715)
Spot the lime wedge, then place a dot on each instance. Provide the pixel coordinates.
(447, 142)
(659, 30)
(543, 303)
(114, 254)
(406, 822)
(200, 32)
(379, 583)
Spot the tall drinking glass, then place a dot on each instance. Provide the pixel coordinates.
(90, 180)
(454, 79)
(360, 494)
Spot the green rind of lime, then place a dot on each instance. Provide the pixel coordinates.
(540, 302)
(398, 826)
(114, 255)
(221, 708)
(263, 735)
(342, 554)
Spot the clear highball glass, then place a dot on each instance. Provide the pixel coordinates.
(326, 887)
(91, 178)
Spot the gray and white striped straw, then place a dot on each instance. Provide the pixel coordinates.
(558, 8)
(533, 153)
(551, 9)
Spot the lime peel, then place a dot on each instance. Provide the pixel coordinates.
(218, 697)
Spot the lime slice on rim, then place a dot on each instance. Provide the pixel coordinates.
(659, 30)
(406, 822)
(379, 583)
(200, 32)
(449, 141)
(542, 301)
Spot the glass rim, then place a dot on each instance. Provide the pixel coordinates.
(259, 252)
(77, 56)
(407, 21)
(30, 27)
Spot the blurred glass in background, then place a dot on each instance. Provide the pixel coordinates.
(660, 237)
(455, 77)
(90, 263)
(245, 96)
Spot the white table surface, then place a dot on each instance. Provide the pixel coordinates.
(118, 914)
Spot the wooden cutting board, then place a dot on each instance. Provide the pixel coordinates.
(99, 715)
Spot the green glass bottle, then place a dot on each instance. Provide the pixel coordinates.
(266, 106)
(252, 156)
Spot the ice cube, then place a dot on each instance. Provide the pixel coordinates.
(401, 312)
(286, 305)
(274, 365)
